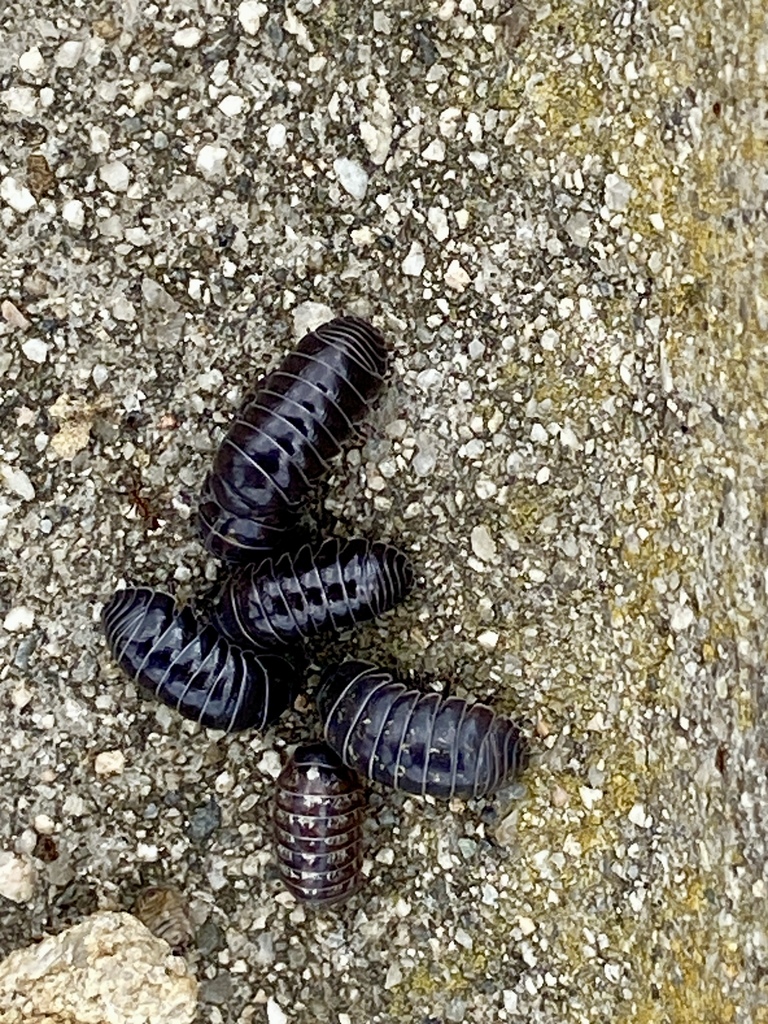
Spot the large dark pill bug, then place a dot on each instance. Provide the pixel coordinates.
(418, 742)
(282, 438)
(190, 666)
(341, 584)
(318, 811)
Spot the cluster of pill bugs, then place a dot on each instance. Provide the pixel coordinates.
(227, 664)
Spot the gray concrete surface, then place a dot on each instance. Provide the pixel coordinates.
(557, 213)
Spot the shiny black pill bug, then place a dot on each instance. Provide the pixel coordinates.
(317, 816)
(191, 667)
(341, 584)
(284, 435)
(419, 742)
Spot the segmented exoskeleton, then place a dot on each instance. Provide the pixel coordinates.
(419, 742)
(191, 666)
(318, 809)
(283, 437)
(294, 597)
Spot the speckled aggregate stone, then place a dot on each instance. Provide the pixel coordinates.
(557, 213)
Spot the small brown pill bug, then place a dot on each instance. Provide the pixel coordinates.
(419, 742)
(341, 584)
(317, 817)
(284, 435)
(191, 667)
(165, 912)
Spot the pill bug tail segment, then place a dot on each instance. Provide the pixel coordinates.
(418, 742)
(333, 587)
(317, 822)
(283, 436)
(191, 667)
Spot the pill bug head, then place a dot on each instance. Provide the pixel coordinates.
(337, 681)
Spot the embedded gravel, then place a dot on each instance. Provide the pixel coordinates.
(557, 215)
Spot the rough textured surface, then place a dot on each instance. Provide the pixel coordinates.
(557, 213)
(107, 970)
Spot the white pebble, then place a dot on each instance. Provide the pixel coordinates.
(123, 310)
(109, 762)
(657, 221)
(638, 816)
(17, 196)
(429, 378)
(270, 763)
(35, 350)
(73, 213)
(617, 192)
(232, 105)
(142, 94)
(20, 99)
(250, 13)
(483, 544)
(488, 639)
(538, 433)
(543, 475)
(307, 316)
(352, 176)
(17, 877)
(579, 228)
(69, 53)
(589, 797)
(44, 824)
(424, 462)
(680, 617)
(13, 315)
(414, 262)
(456, 276)
(276, 136)
(394, 976)
(20, 618)
(32, 61)
(485, 489)
(210, 160)
(186, 38)
(275, 1014)
(438, 223)
(115, 176)
(435, 151)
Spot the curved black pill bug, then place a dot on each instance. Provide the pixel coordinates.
(317, 817)
(419, 742)
(292, 598)
(191, 667)
(282, 438)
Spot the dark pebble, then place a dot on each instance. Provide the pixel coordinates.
(204, 821)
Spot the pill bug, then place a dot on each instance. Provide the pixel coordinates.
(419, 742)
(294, 597)
(317, 818)
(284, 435)
(190, 666)
(165, 912)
